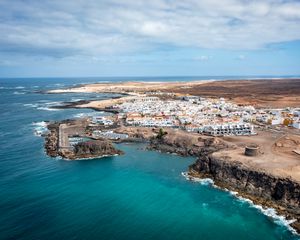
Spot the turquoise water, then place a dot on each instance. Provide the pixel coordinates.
(140, 195)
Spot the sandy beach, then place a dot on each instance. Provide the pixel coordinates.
(130, 87)
(265, 93)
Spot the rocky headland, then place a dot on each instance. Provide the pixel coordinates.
(95, 148)
(57, 144)
(282, 194)
(265, 188)
(270, 178)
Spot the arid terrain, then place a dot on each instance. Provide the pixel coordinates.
(278, 93)
(277, 153)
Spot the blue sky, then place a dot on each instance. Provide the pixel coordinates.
(53, 38)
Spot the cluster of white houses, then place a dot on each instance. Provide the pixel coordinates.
(288, 117)
(214, 117)
(109, 134)
(192, 113)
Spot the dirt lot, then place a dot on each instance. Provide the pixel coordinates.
(277, 155)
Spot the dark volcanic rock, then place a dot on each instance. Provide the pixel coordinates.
(51, 140)
(185, 147)
(283, 194)
(90, 149)
(97, 148)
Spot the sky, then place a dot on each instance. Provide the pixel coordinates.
(55, 38)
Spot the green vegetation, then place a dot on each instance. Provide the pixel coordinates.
(161, 134)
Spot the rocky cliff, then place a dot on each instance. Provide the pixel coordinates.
(186, 145)
(262, 188)
(283, 194)
(51, 140)
(89, 149)
(97, 148)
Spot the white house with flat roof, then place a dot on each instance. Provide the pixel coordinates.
(296, 124)
(230, 129)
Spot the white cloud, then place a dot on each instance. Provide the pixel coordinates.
(241, 57)
(64, 28)
(203, 58)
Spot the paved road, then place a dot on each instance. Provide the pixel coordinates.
(63, 139)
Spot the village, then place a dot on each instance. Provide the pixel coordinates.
(215, 117)
(249, 146)
(145, 116)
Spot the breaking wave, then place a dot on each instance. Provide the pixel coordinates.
(18, 93)
(202, 181)
(40, 128)
(48, 109)
(269, 212)
(42, 105)
(33, 105)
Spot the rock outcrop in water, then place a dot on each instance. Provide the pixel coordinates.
(97, 148)
(51, 140)
(89, 149)
(283, 194)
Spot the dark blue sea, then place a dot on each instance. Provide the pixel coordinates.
(140, 195)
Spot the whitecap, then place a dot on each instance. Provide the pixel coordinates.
(33, 105)
(19, 87)
(40, 128)
(202, 181)
(48, 109)
(53, 103)
(76, 99)
(88, 158)
(18, 93)
(270, 212)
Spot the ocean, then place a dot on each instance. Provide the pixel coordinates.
(140, 195)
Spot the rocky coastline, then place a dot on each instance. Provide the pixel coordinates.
(82, 150)
(188, 147)
(51, 140)
(95, 148)
(282, 194)
(77, 104)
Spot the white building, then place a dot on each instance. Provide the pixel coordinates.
(146, 99)
(230, 129)
(296, 124)
(102, 121)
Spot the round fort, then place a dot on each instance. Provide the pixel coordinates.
(252, 150)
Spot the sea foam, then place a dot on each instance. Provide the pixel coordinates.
(269, 212)
(48, 109)
(47, 106)
(202, 181)
(40, 128)
(18, 93)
